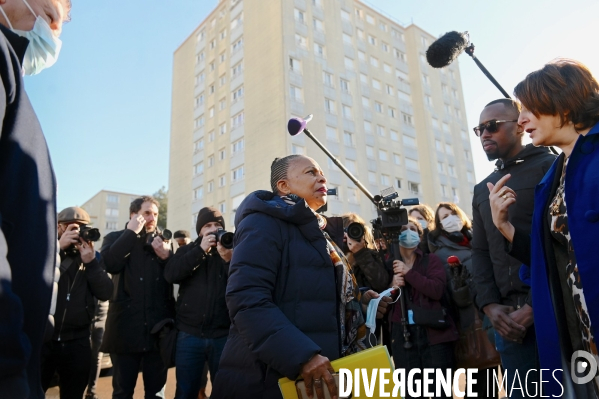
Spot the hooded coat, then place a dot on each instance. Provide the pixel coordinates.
(281, 297)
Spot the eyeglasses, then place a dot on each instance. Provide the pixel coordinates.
(491, 127)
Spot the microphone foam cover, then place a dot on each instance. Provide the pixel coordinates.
(446, 49)
(296, 126)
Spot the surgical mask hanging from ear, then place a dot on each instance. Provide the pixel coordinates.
(43, 49)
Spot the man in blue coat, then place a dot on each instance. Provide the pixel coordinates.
(28, 246)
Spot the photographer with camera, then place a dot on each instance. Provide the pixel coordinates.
(364, 259)
(202, 269)
(142, 297)
(81, 279)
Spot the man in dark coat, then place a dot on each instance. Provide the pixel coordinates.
(501, 295)
(82, 279)
(201, 268)
(141, 299)
(28, 247)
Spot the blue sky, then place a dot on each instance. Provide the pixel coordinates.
(105, 105)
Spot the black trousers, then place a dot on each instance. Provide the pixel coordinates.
(70, 359)
(421, 355)
(126, 368)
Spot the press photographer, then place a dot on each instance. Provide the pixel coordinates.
(365, 260)
(81, 279)
(201, 268)
(142, 297)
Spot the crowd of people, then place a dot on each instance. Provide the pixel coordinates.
(513, 287)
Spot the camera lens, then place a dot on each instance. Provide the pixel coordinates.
(225, 238)
(167, 234)
(355, 231)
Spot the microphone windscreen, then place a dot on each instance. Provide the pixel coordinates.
(446, 49)
(296, 126)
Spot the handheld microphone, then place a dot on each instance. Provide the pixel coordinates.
(448, 47)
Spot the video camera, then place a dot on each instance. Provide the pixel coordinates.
(391, 213)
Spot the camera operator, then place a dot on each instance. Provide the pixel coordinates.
(365, 260)
(81, 279)
(201, 268)
(182, 237)
(142, 297)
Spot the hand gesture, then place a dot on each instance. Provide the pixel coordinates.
(400, 268)
(225, 254)
(501, 197)
(86, 250)
(316, 373)
(208, 241)
(353, 245)
(161, 248)
(507, 327)
(136, 223)
(383, 303)
(69, 237)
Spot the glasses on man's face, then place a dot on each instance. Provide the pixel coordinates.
(491, 127)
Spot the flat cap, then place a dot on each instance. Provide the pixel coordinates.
(73, 214)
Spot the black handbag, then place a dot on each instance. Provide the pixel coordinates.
(432, 318)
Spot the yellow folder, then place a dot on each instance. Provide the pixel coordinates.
(377, 357)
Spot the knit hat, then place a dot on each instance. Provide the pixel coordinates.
(207, 215)
(73, 214)
(181, 234)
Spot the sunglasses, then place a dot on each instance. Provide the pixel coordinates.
(491, 127)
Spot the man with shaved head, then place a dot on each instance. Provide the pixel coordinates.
(500, 293)
(29, 43)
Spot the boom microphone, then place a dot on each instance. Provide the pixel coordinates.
(446, 49)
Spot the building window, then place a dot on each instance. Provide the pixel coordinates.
(222, 104)
(221, 207)
(328, 79)
(411, 164)
(211, 112)
(347, 114)
(451, 170)
(392, 112)
(299, 16)
(360, 34)
(345, 16)
(112, 212)
(372, 177)
(222, 180)
(237, 93)
(222, 154)
(374, 62)
(295, 65)
(111, 225)
(297, 150)
(398, 183)
(223, 128)
(211, 136)
(376, 84)
(364, 78)
(365, 102)
(396, 159)
(446, 127)
(367, 127)
(409, 141)
(301, 41)
(467, 154)
(211, 161)
(344, 85)
(237, 174)
(384, 180)
(318, 25)
(296, 93)
(319, 50)
(425, 79)
(351, 166)
(198, 193)
(394, 135)
(390, 90)
(237, 120)
(198, 169)
(448, 149)
(348, 139)
(332, 134)
(347, 39)
(329, 106)
(382, 155)
(237, 69)
(237, 45)
(428, 100)
(198, 145)
(349, 63)
(443, 190)
(113, 199)
(387, 68)
(222, 57)
(441, 167)
(378, 107)
(413, 187)
(370, 151)
(211, 186)
(237, 146)
(470, 177)
(407, 119)
(438, 145)
(372, 40)
(380, 130)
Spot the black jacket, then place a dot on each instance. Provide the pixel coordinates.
(75, 306)
(370, 270)
(201, 306)
(495, 273)
(141, 297)
(28, 221)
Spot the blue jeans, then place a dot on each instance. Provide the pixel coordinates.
(520, 357)
(192, 353)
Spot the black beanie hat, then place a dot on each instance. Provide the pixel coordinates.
(207, 215)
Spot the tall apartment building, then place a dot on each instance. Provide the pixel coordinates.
(251, 65)
(109, 211)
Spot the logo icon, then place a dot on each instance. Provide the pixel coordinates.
(583, 367)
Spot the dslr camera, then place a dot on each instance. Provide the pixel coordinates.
(86, 233)
(165, 234)
(224, 237)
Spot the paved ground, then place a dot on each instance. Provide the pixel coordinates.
(105, 388)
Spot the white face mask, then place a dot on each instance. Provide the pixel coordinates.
(452, 223)
(43, 49)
